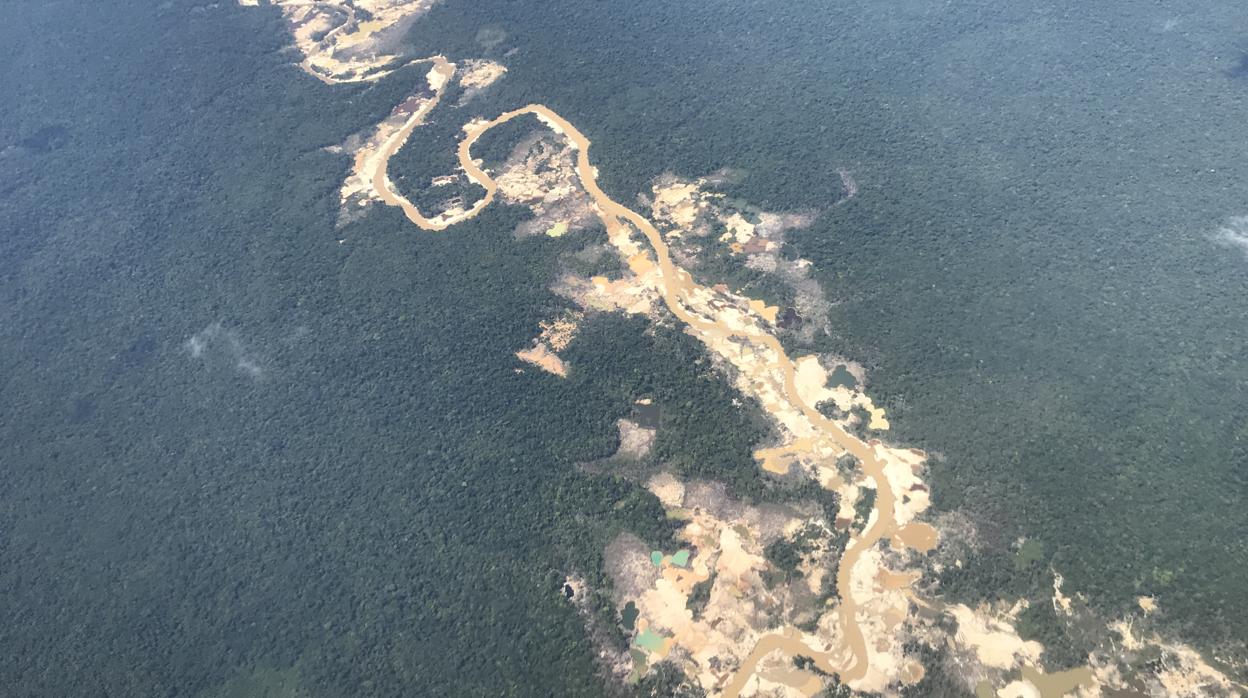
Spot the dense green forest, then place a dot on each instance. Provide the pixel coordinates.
(238, 454)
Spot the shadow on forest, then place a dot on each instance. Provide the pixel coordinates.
(1239, 71)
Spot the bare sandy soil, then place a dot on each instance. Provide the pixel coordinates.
(349, 40)
(554, 338)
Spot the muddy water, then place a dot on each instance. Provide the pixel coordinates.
(439, 77)
(677, 284)
(790, 644)
(920, 536)
(676, 287)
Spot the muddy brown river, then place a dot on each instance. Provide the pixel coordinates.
(676, 286)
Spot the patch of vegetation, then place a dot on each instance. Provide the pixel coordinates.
(1039, 622)
(863, 508)
(664, 680)
(784, 555)
(1028, 554)
(700, 596)
(808, 664)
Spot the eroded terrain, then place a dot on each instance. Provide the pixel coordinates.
(762, 599)
(349, 40)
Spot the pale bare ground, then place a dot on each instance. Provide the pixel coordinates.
(368, 181)
(344, 41)
(539, 174)
(479, 74)
(729, 538)
(555, 336)
(689, 211)
(636, 441)
(861, 634)
(542, 357)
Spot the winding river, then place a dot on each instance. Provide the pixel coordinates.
(675, 286)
